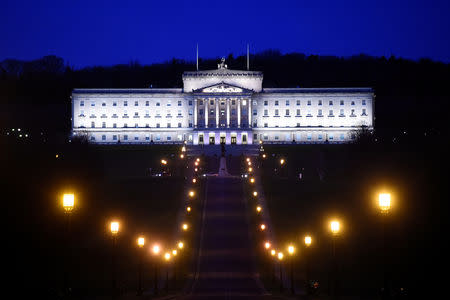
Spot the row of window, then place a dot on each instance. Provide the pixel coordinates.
(136, 114)
(136, 103)
(309, 102)
(309, 137)
(319, 113)
(125, 137)
(233, 102)
(136, 125)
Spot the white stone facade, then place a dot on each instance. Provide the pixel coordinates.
(221, 106)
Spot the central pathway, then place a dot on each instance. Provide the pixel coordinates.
(225, 265)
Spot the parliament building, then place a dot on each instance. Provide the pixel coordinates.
(221, 106)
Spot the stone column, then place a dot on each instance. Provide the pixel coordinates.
(206, 113)
(249, 113)
(239, 112)
(228, 113)
(217, 113)
(195, 112)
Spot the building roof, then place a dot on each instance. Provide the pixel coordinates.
(318, 90)
(129, 91)
(222, 72)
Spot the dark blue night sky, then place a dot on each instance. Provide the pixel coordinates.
(110, 32)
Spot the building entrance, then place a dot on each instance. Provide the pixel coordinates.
(212, 140)
(222, 140)
(233, 140)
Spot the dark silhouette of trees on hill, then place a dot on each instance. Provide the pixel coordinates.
(409, 94)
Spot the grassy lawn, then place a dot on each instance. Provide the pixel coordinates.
(342, 181)
(109, 183)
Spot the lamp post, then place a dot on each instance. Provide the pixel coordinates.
(114, 228)
(175, 269)
(155, 251)
(335, 228)
(384, 205)
(291, 251)
(68, 205)
(140, 243)
(280, 258)
(273, 253)
(167, 259)
(308, 242)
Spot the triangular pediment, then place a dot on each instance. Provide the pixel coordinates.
(222, 88)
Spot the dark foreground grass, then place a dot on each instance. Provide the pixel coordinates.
(342, 181)
(109, 183)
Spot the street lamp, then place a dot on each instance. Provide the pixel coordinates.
(280, 258)
(384, 204)
(163, 162)
(167, 259)
(335, 228)
(155, 251)
(252, 180)
(194, 180)
(308, 241)
(188, 209)
(258, 209)
(180, 245)
(267, 245)
(185, 226)
(282, 161)
(68, 202)
(250, 169)
(114, 228)
(262, 227)
(191, 194)
(140, 243)
(255, 194)
(291, 251)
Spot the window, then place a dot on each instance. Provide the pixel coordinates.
(363, 102)
(136, 103)
(309, 136)
(103, 137)
(125, 103)
(179, 112)
(364, 112)
(266, 137)
(147, 125)
(320, 102)
(287, 102)
(298, 125)
(179, 103)
(266, 112)
(147, 137)
(298, 112)
(287, 112)
(233, 102)
(309, 102)
(158, 103)
(298, 102)
(266, 102)
(211, 102)
(125, 137)
(147, 103)
(277, 137)
(276, 112)
(114, 125)
(103, 124)
(353, 113)
(92, 138)
(342, 136)
(255, 124)
(81, 103)
(319, 113)
(319, 136)
(211, 112)
(103, 103)
(330, 136)
(266, 125)
(330, 103)
(114, 137)
(169, 103)
(92, 103)
(114, 103)
(147, 114)
(125, 125)
(169, 138)
(331, 113)
(190, 102)
(255, 112)
(342, 102)
(92, 124)
(158, 125)
(169, 125)
(353, 102)
(136, 125)
(341, 112)
(136, 138)
(200, 111)
(276, 102)
(179, 125)
(233, 112)
(191, 112)
(136, 115)
(190, 124)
